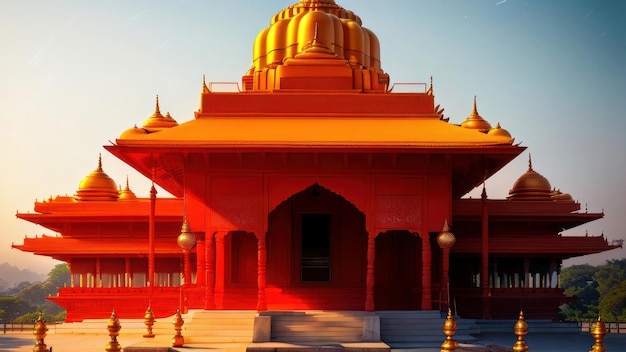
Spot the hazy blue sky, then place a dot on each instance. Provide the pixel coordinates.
(75, 74)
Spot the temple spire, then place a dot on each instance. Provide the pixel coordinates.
(99, 162)
(474, 109)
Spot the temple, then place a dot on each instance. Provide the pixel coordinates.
(312, 184)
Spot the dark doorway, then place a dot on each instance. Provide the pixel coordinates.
(316, 259)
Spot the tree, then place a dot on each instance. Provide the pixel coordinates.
(578, 281)
(611, 279)
(58, 277)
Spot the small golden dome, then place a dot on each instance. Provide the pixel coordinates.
(126, 194)
(97, 186)
(156, 121)
(559, 196)
(475, 121)
(133, 132)
(531, 186)
(499, 132)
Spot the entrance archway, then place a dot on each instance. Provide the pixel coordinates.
(317, 246)
(398, 260)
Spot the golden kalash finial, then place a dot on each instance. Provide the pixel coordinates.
(520, 329)
(449, 329)
(178, 340)
(148, 320)
(113, 325)
(39, 330)
(598, 331)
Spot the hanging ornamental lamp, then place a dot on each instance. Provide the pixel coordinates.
(186, 240)
(446, 239)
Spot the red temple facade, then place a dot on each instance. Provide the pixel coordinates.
(314, 185)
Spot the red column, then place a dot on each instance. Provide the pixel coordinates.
(219, 269)
(98, 282)
(371, 270)
(261, 272)
(127, 274)
(151, 222)
(484, 272)
(445, 278)
(200, 261)
(69, 267)
(427, 299)
(210, 271)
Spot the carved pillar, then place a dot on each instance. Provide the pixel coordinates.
(220, 270)
(210, 271)
(186, 268)
(427, 257)
(127, 273)
(98, 273)
(151, 234)
(69, 267)
(484, 271)
(554, 276)
(370, 271)
(261, 271)
(200, 260)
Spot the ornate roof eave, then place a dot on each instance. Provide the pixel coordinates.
(61, 247)
(556, 246)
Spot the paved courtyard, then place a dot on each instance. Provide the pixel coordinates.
(24, 342)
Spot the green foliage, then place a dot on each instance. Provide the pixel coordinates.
(24, 306)
(600, 291)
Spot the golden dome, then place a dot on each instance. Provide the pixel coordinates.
(499, 132)
(157, 122)
(126, 194)
(475, 121)
(97, 186)
(531, 186)
(559, 196)
(336, 28)
(132, 132)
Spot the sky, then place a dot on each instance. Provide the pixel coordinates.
(75, 74)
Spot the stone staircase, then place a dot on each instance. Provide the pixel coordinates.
(421, 329)
(317, 327)
(215, 326)
(302, 330)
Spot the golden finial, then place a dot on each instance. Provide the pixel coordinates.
(113, 326)
(39, 330)
(449, 329)
(598, 331)
(99, 162)
(156, 108)
(520, 329)
(475, 121)
(148, 320)
(530, 162)
(178, 340)
(474, 109)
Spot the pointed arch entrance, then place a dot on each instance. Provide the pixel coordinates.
(316, 252)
